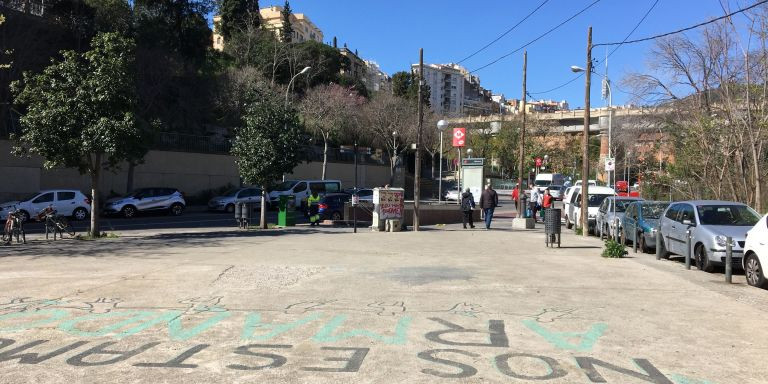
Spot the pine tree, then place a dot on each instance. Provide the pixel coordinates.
(286, 33)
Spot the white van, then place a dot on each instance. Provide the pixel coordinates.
(301, 189)
(544, 180)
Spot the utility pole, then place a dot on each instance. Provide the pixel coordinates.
(521, 163)
(417, 171)
(585, 143)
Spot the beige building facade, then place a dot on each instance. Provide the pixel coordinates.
(272, 19)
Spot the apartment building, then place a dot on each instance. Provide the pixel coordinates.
(272, 19)
(375, 79)
(446, 87)
(32, 7)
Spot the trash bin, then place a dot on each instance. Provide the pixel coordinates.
(524, 206)
(552, 224)
(286, 211)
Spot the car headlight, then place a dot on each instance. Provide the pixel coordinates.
(720, 241)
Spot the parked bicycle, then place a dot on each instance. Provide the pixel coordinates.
(55, 224)
(14, 228)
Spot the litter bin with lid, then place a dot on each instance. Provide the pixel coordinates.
(552, 226)
(286, 211)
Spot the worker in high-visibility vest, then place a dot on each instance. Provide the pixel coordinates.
(313, 203)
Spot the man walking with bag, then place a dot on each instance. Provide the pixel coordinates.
(488, 202)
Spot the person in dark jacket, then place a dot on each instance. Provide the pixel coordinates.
(488, 202)
(467, 205)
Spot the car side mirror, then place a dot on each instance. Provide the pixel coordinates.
(688, 223)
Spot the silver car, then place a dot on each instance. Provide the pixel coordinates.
(611, 214)
(710, 223)
(147, 199)
(227, 201)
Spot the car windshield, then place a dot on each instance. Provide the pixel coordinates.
(596, 200)
(621, 205)
(654, 211)
(542, 183)
(738, 215)
(555, 188)
(285, 185)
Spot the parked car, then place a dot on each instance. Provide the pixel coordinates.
(364, 194)
(227, 201)
(556, 191)
(147, 200)
(67, 202)
(595, 197)
(331, 207)
(301, 189)
(568, 199)
(710, 223)
(642, 217)
(590, 182)
(610, 214)
(756, 254)
(544, 180)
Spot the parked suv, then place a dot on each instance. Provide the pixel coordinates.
(710, 223)
(146, 200)
(66, 202)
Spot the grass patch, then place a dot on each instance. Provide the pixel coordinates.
(103, 235)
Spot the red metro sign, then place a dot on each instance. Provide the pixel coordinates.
(459, 137)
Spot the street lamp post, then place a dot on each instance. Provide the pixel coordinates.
(441, 125)
(288, 89)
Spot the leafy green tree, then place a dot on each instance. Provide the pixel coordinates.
(267, 144)
(175, 27)
(80, 112)
(406, 85)
(237, 16)
(286, 32)
(3, 64)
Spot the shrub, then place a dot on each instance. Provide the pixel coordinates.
(613, 249)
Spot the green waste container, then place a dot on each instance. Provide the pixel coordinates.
(286, 211)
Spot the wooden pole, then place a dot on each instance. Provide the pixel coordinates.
(585, 143)
(417, 171)
(521, 162)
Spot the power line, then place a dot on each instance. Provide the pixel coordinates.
(684, 29)
(539, 37)
(648, 12)
(505, 33)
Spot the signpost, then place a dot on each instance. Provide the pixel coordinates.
(610, 164)
(459, 137)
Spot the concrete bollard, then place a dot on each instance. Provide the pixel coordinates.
(688, 249)
(728, 260)
(659, 239)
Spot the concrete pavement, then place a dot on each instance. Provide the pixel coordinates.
(328, 306)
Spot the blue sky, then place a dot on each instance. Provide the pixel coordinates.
(392, 31)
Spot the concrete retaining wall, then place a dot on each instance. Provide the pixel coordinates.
(189, 172)
(429, 214)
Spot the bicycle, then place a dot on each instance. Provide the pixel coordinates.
(55, 224)
(14, 227)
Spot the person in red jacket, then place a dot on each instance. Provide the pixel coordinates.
(546, 201)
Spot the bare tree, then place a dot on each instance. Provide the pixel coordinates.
(391, 121)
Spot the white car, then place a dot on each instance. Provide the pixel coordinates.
(756, 254)
(595, 197)
(66, 202)
(227, 201)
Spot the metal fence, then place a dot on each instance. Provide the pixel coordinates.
(170, 141)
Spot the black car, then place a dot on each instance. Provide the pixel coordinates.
(331, 206)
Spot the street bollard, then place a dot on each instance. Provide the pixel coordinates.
(246, 215)
(688, 249)
(728, 260)
(634, 241)
(659, 239)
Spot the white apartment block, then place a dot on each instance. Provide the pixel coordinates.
(446, 86)
(375, 79)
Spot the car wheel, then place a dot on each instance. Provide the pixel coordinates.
(641, 243)
(177, 209)
(568, 224)
(702, 260)
(336, 216)
(230, 208)
(129, 212)
(80, 214)
(754, 271)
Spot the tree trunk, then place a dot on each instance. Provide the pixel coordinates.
(129, 181)
(325, 156)
(263, 214)
(95, 200)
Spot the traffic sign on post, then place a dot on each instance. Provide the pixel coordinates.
(610, 164)
(538, 161)
(459, 137)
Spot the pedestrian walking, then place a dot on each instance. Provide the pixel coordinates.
(467, 205)
(534, 203)
(313, 204)
(546, 202)
(488, 202)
